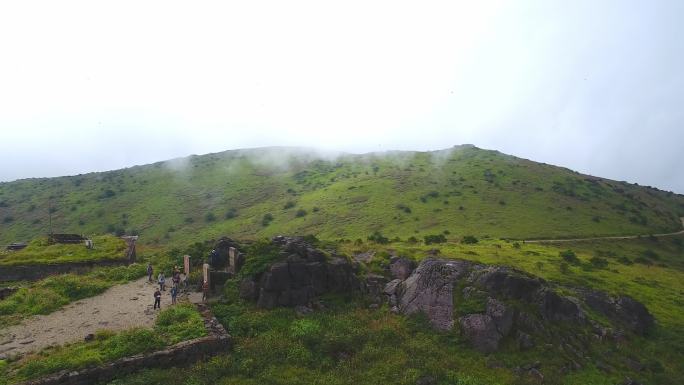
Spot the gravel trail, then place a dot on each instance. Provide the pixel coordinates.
(120, 307)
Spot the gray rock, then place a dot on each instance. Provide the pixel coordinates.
(430, 290)
(554, 307)
(623, 309)
(536, 374)
(391, 288)
(501, 314)
(524, 340)
(248, 289)
(302, 274)
(401, 268)
(506, 282)
(303, 310)
(480, 330)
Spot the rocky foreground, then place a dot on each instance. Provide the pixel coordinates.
(488, 304)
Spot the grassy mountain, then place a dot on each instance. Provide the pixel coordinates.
(262, 192)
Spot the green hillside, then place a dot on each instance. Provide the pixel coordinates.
(262, 192)
(39, 251)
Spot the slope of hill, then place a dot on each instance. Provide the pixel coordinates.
(262, 192)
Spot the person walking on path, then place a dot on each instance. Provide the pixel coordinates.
(174, 294)
(150, 270)
(157, 299)
(205, 291)
(176, 278)
(162, 281)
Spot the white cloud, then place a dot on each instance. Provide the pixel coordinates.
(89, 85)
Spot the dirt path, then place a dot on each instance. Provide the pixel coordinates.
(121, 307)
(613, 237)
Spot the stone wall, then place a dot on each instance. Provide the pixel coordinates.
(35, 272)
(7, 291)
(181, 354)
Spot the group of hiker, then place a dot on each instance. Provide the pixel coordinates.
(176, 280)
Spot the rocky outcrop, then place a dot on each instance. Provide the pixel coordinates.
(303, 274)
(480, 330)
(623, 310)
(401, 268)
(502, 291)
(429, 290)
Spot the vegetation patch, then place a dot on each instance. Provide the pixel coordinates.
(38, 251)
(178, 323)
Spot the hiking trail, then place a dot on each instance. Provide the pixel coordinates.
(120, 307)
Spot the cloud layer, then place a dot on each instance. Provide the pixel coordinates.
(597, 87)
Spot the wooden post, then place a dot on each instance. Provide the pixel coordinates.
(186, 264)
(205, 273)
(232, 254)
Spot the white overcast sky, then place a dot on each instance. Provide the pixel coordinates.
(596, 86)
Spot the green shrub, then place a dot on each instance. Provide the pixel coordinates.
(598, 262)
(569, 256)
(469, 240)
(625, 261)
(259, 256)
(377, 237)
(130, 342)
(289, 205)
(300, 213)
(209, 217)
(266, 219)
(438, 238)
(180, 323)
(403, 208)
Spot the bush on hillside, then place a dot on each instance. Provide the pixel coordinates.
(403, 208)
(231, 213)
(469, 240)
(377, 237)
(598, 262)
(438, 238)
(267, 219)
(209, 217)
(569, 256)
(289, 205)
(301, 213)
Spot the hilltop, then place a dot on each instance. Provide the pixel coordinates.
(253, 193)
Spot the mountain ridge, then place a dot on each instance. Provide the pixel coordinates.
(459, 190)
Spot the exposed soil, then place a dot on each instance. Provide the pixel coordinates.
(121, 307)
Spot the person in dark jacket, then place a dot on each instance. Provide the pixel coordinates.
(157, 299)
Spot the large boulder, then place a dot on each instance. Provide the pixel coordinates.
(623, 310)
(302, 274)
(501, 314)
(401, 268)
(481, 331)
(430, 290)
(506, 282)
(554, 307)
